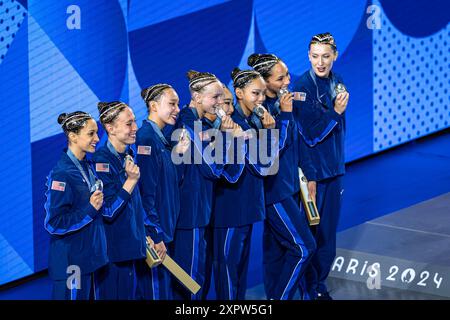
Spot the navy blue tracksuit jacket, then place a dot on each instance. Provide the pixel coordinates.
(123, 212)
(76, 227)
(322, 128)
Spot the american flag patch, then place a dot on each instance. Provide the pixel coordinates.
(58, 185)
(102, 167)
(145, 150)
(300, 96)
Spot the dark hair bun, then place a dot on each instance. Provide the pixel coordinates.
(62, 117)
(251, 61)
(101, 106)
(191, 74)
(144, 93)
(235, 72)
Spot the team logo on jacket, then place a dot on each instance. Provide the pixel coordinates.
(145, 150)
(102, 167)
(58, 186)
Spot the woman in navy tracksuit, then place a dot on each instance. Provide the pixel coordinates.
(238, 206)
(288, 243)
(321, 119)
(73, 214)
(213, 121)
(198, 173)
(159, 179)
(123, 212)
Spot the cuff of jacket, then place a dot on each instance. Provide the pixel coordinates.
(124, 195)
(310, 175)
(156, 236)
(334, 115)
(91, 211)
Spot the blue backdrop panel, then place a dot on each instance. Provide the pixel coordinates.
(411, 75)
(212, 40)
(355, 65)
(286, 27)
(98, 50)
(45, 154)
(16, 224)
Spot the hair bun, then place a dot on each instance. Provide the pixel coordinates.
(62, 117)
(144, 92)
(251, 61)
(191, 74)
(101, 106)
(235, 72)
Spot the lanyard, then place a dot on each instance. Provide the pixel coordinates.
(121, 161)
(239, 110)
(116, 154)
(91, 181)
(331, 91)
(158, 132)
(215, 125)
(194, 111)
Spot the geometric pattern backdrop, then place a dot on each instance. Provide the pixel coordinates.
(411, 78)
(62, 56)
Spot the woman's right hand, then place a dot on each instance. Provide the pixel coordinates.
(340, 104)
(132, 170)
(96, 200)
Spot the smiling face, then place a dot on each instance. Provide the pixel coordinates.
(279, 78)
(166, 109)
(253, 94)
(123, 129)
(86, 139)
(322, 57)
(211, 97)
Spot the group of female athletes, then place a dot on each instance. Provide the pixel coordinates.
(106, 204)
